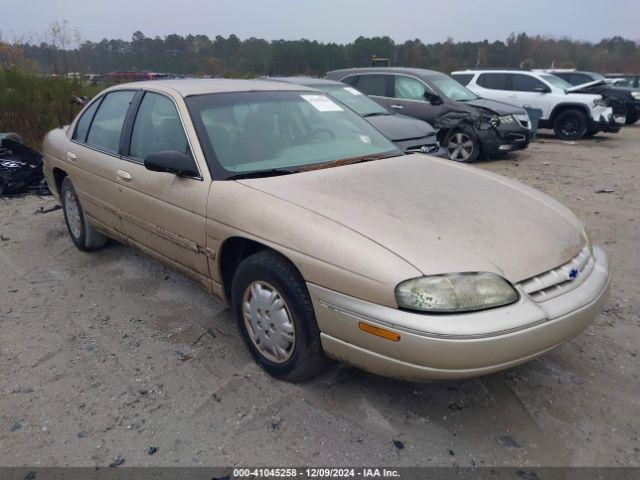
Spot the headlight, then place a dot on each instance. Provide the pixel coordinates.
(601, 102)
(636, 95)
(455, 293)
(507, 119)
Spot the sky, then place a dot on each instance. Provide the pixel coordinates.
(338, 21)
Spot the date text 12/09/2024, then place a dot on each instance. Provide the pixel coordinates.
(315, 473)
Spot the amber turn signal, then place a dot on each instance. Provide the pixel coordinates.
(379, 332)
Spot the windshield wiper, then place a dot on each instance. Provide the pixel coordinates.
(274, 172)
(351, 160)
(376, 114)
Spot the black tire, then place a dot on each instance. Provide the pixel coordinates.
(632, 118)
(570, 125)
(84, 236)
(307, 358)
(462, 136)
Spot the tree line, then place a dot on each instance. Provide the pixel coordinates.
(61, 51)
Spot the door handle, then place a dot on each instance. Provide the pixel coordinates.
(397, 107)
(72, 156)
(122, 175)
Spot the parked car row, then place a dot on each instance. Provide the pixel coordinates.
(327, 240)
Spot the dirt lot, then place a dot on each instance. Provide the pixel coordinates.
(104, 355)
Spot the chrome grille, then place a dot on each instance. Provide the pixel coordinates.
(561, 279)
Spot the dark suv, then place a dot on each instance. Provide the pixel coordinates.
(468, 125)
(625, 100)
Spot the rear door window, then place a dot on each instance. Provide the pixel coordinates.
(374, 84)
(526, 83)
(493, 81)
(157, 128)
(107, 124)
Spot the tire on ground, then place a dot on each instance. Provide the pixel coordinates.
(89, 239)
(308, 358)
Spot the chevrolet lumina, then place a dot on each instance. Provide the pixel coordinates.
(326, 240)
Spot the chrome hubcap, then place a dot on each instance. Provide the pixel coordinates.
(460, 146)
(72, 210)
(268, 321)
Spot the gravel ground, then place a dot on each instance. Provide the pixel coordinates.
(105, 355)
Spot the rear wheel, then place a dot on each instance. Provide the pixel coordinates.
(570, 125)
(83, 235)
(462, 145)
(276, 317)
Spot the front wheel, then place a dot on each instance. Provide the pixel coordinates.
(570, 125)
(462, 145)
(273, 309)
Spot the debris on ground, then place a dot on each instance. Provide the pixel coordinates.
(604, 190)
(508, 441)
(42, 210)
(152, 450)
(399, 444)
(117, 462)
(16, 426)
(20, 166)
(183, 357)
(275, 425)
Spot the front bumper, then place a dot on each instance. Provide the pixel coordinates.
(502, 140)
(607, 122)
(439, 347)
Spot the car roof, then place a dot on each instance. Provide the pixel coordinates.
(200, 86)
(307, 81)
(418, 72)
(498, 70)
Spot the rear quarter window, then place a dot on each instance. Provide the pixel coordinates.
(462, 78)
(82, 127)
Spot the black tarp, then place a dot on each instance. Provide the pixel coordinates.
(20, 167)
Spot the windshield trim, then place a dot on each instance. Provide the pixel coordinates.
(218, 172)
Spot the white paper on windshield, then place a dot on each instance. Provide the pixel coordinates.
(322, 103)
(352, 91)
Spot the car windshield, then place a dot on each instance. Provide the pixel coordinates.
(597, 76)
(354, 99)
(281, 132)
(452, 89)
(556, 81)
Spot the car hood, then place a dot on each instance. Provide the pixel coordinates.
(497, 107)
(437, 215)
(585, 86)
(399, 127)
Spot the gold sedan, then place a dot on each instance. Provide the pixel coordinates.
(325, 239)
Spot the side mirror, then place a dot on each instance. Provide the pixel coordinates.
(544, 89)
(432, 98)
(177, 163)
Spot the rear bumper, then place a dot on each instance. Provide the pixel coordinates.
(455, 346)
